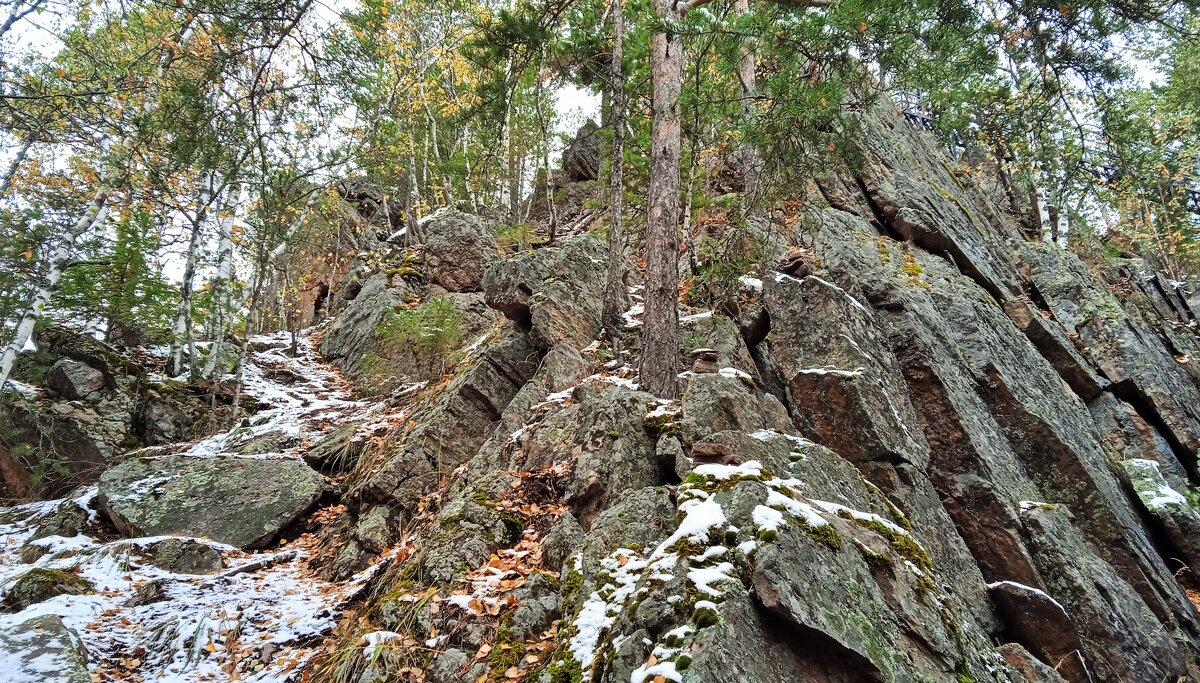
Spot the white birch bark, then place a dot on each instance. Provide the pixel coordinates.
(23, 337)
(181, 329)
(222, 288)
(15, 165)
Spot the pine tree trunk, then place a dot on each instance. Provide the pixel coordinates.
(693, 243)
(58, 265)
(751, 161)
(660, 331)
(616, 298)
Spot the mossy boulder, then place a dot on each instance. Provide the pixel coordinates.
(67, 520)
(39, 584)
(185, 556)
(243, 502)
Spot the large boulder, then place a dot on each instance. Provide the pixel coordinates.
(353, 333)
(43, 650)
(457, 248)
(243, 502)
(184, 556)
(74, 380)
(555, 290)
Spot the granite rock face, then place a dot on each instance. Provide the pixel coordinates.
(940, 452)
(457, 248)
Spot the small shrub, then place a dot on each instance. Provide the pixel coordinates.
(423, 340)
(520, 236)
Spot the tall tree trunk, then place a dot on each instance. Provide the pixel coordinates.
(443, 177)
(181, 329)
(508, 190)
(467, 184)
(549, 189)
(222, 287)
(693, 242)
(660, 330)
(520, 176)
(414, 190)
(252, 319)
(22, 339)
(751, 161)
(616, 298)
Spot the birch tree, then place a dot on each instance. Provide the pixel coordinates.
(94, 213)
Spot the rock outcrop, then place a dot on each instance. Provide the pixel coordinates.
(923, 450)
(85, 405)
(457, 248)
(581, 158)
(937, 452)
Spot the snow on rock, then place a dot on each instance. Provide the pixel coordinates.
(376, 641)
(751, 282)
(829, 370)
(854, 302)
(1028, 589)
(21, 388)
(1152, 488)
(736, 374)
(766, 518)
(701, 516)
(861, 516)
(260, 619)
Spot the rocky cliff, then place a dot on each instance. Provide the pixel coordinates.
(936, 452)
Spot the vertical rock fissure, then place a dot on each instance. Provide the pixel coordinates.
(1128, 392)
(879, 220)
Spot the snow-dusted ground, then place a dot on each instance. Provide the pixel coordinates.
(258, 620)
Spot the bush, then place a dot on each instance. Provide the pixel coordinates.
(520, 236)
(724, 259)
(420, 341)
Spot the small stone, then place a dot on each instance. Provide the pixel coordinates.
(798, 262)
(708, 453)
(148, 594)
